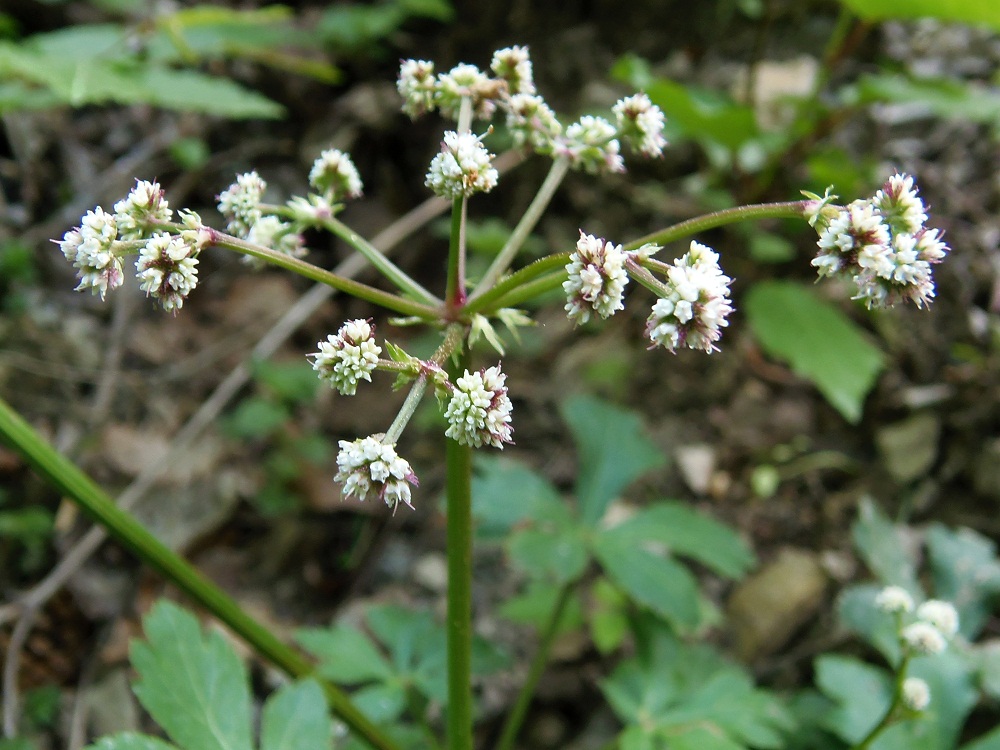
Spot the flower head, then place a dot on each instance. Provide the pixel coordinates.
(514, 66)
(348, 357)
(417, 85)
(369, 468)
(942, 615)
(641, 123)
(240, 203)
(696, 304)
(479, 409)
(531, 121)
(275, 234)
(916, 694)
(590, 144)
(335, 175)
(466, 81)
(597, 279)
(899, 204)
(894, 599)
(143, 205)
(167, 269)
(462, 168)
(90, 248)
(924, 638)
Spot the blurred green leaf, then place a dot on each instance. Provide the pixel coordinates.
(966, 573)
(193, 685)
(190, 153)
(985, 12)
(989, 741)
(535, 605)
(296, 717)
(255, 418)
(612, 452)
(557, 553)
(381, 702)
(944, 97)
(293, 382)
(883, 548)
(817, 341)
(506, 492)
(862, 694)
(608, 616)
(125, 741)
(346, 655)
(857, 610)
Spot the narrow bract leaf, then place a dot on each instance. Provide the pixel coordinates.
(193, 684)
(818, 341)
(295, 718)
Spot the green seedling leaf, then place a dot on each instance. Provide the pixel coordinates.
(661, 584)
(193, 684)
(123, 741)
(346, 655)
(984, 12)
(966, 573)
(818, 341)
(857, 610)
(686, 532)
(296, 717)
(884, 549)
(559, 554)
(506, 493)
(612, 450)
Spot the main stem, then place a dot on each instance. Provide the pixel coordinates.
(459, 491)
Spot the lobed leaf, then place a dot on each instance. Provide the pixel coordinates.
(296, 717)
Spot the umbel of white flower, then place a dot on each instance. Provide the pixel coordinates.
(641, 124)
(90, 248)
(334, 175)
(596, 279)
(167, 268)
(135, 214)
(479, 409)
(882, 245)
(462, 168)
(240, 203)
(369, 468)
(347, 357)
(693, 311)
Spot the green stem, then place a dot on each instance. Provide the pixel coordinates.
(786, 210)
(890, 713)
(487, 300)
(385, 266)
(459, 490)
(516, 717)
(455, 294)
(70, 481)
(531, 217)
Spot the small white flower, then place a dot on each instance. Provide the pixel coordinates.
(167, 269)
(900, 205)
(597, 279)
(694, 310)
(143, 205)
(641, 123)
(916, 694)
(334, 174)
(466, 81)
(348, 357)
(275, 234)
(531, 121)
(416, 84)
(240, 203)
(195, 233)
(590, 144)
(91, 249)
(924, 638)
(900, 275)
(942, 615)
(514, 65)
(894, 599)
(463, 167)
(369, 468)
(858, 231)
(479, 409)
(930, 247)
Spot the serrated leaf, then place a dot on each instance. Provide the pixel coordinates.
(346, 655)
(558, 554)
(193, 684)
(985, 12)
(410, 636)
(966, 573)
(506, 492)
(817, 340)
(296, 717)
(862, 694)
(687, 532)
(612, 452)
(382, 703)
(662, 584)
(882, 546)
(124, 741)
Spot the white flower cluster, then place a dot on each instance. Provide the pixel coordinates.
(348, 357)
(334, 175)
(462, 168)
(90, 248)
(935, 623)
(240, 203)
(597, 279)
(369, 468)
(271, 232)
(532, 122)
(466, 81)
(916, 694)
(641, 123)
(513, 65)
(479, 409)
(144, 205)
(168, 270)
(694, 309)
(591, 144)
(882, 245)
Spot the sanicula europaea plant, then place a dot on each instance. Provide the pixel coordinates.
(880, 244)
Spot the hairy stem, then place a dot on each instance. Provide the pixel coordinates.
(786, 210)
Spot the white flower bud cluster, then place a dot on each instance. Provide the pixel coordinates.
(334, 175)
(532, 122)
(694, 309)
(597, 279)
(168, 270)
(145, 204)
(466, 81)
(590, 144)
(91, 249)
(271, 232)
(513, 65)
(240, 203)
(348, 357)
(882, 245)
(479, 409)
(935, 621)
(462, 168)
(369, 468)
(916, 694)
(641, 123)
(894, 600)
